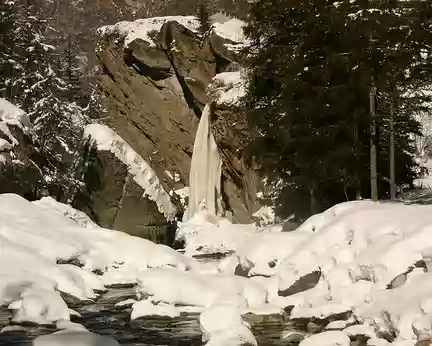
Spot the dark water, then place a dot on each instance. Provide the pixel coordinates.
(102, 317)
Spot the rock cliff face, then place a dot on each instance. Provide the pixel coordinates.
(155, 77)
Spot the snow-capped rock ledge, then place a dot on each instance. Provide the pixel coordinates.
(107, 140)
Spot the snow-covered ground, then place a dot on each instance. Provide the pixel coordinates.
(35, 236)
(373, 260)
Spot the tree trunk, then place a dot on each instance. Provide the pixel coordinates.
(373, 149)
(357, 161)
(392, 150)
(313, 200)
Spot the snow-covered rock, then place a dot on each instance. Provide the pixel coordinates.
(10, 115)
(147, 308)
(232, 30)
(358, 249)
(107, 140)
(79, 217)
(331, 338)
(194, 289)
(143, 28)
(74, 338)
(222, 325)
(228, 88)
(39, 235)
(19, 158)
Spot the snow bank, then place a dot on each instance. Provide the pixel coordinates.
(107, 140)
(147, 308)
(143, 28)
(40, 235)
(259, 249)
(371, 258)
(331, 338)
(222, 325)
(74, 338)
(193, 289)
(79, 217)
(228, 88)
(11, 115)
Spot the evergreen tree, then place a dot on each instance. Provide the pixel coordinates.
(47, 87)
(313, 65)
(7, 65)
(202, 13)
(71, 72)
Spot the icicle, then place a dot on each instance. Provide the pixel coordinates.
(206, 170)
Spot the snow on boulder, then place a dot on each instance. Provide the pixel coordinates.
(228, 88)
(257, 248)
(403, 309)
(193, 289)
(222, 325)
(330, 338)
(147, 308)
(368, 241)
(40, 307)
(11, 115)
(74, 338)
(5, 145)
(31, 233)
(79, 217)
(143, 28)
(107, 140)
(232, 30)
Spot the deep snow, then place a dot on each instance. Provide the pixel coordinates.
(373, 260)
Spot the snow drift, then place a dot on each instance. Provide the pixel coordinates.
(33, 233)
(373, 259)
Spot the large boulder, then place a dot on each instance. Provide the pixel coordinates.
(155, 78)
(121, 190)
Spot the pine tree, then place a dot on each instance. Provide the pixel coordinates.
(47, 87)
(313, 66)
(71, 72)
(202, 13)
(8, 66)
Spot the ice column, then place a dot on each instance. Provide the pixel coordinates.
(206, 170)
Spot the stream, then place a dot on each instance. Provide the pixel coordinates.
(102, 317)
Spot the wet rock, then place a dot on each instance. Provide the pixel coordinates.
(303, 284)
(241, 271)
(290, 336)
(72, 261)
(289, 226)
(262, 320)
(314, 328)
(302, 323)
(398, 281)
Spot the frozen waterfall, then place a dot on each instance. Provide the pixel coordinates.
(206, 170)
